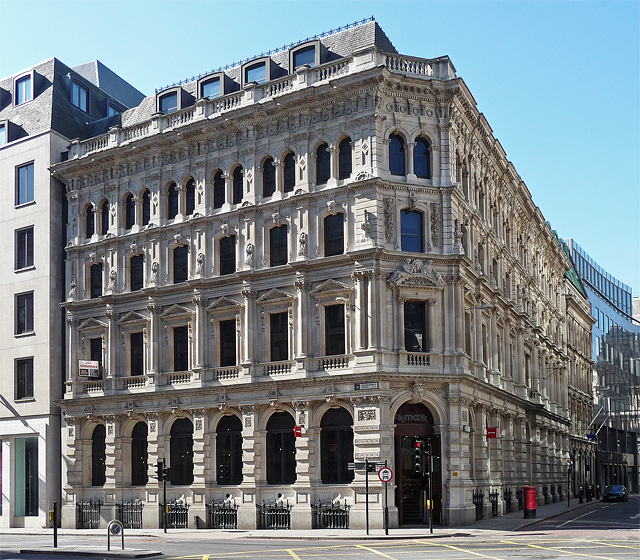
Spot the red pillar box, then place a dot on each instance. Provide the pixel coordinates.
(529, 502)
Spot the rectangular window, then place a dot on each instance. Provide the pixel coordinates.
(24, 91)
(228, 255)
(24, 248)
(24, 313)
(95, 350)
(113, 110)
(228, 343)
(137, 353)
(211, 88)
(256, 73)
(80, 96)
(180, 348)
(96, 280)
(180, 264)
(334, 330)
(3, 134)
(26, 477)
(279, 336)
(415, 326)
(304, 56)
(24, 184)
(24, 379)
(137, 273)
(169, 103)
(278, 246)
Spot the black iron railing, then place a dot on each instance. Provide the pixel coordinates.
(130, 514)
(331, 515)
(88, 514)
(177, 515)
(274, 515)
(507, 500)
(520, 497)
(222, 515)
(478, 501)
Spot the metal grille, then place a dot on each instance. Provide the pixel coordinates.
(222, 515)
(274, 515)
(478, 501)
(130, 514)
(88, 514)
(331, 515)
(177, 515)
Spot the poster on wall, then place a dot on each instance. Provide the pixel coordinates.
(88, 368)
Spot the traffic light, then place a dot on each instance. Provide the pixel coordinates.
(165, 473)
(159, 467)
(418, 457)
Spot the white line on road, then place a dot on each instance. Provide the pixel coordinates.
(576, 519)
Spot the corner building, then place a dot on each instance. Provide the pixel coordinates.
(330, 238)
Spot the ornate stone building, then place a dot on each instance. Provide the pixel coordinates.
(316, 257)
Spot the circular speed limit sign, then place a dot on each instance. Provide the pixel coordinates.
(385, 474)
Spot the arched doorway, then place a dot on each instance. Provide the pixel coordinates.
(414, 422)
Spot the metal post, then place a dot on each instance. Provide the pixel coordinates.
(366, 485)
(386, 506)
(164, 499)
(569, 485)
(55, 524)
(430, 467)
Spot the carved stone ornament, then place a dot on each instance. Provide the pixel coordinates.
(72, 290)
(418, 391)
(363, 176)
(154, 273)
(302, 244)
(416, 273)
(199, 264)
(388, 218)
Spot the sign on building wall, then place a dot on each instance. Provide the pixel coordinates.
(88, 368)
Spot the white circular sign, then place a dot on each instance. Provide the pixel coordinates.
(115, 527)
(385, 474)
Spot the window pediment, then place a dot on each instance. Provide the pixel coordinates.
(275, 297)
(223, 306)
(132, 320)
(92, 325)
(175, 313)
(416, 273)
(330, 289)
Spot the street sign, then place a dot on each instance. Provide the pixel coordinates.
(361, 465)
(355, 466)
(492, 433)
(385, 474)
(297, 431)
(366, 386)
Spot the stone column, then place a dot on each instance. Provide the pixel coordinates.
(72, 482)
(71, 385)
(113, 467)
(198, 334)
(152, 349)
(359, 279)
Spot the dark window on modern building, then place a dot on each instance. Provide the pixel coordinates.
(180, 348)
(396, 155)
(279, 336)
(95, 279)
(24, 378)
(172, 201)
(219, 190)
(228, 255)
(95, 349)
(24, 248)
(146, 208)
(255, 73)
(26, 477)
(24, 184)
(3, 134)
(229, 450)
(24, 313)
(180, 264)
(169, 103)
(411, 232)
(136, 273)
(104, 225)
(90, 222)
(190, 197)
(181, 452)
(421, 157)
(336, 446)
(24, 90)
(137, 354)
(345, 162)
(281, 449)
(334, 333)
(238, 187)
(210, 88)
(278, 246)
(227, 336)
(334, 235)
(98, 456)
(139, 456)
(323, 164)
(289, 172)
(268, 177)
(113, 110)
(129, 212)
(80, 96)
(415, 326)
(304, 56)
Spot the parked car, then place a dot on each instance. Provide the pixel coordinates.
(615, 492)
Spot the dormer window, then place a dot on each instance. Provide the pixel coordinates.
(80, 96)
(210, 88)
(255, 73)
(23, 89)
(168, 103)
(306, 55)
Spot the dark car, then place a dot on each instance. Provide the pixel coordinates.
(615, 492)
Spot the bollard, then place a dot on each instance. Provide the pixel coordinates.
(581, 495)
(529, 502)
(478, 501)
(507, 500)
(493, 498)
(589, 492)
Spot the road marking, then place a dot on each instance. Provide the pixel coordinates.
(575, 519)
(375, 551)
(636, 516)
(459, 549)
(613, 545)
(560, 550)
(293, 554)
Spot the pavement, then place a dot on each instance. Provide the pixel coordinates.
(503, 523)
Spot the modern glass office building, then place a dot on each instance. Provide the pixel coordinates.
(616, 355)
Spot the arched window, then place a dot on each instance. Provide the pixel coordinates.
(421, 159)
(334, 235)
(238, 187)
(190, 193)
(219, 190)
(181, 452)
(146, 207)
(91, 224)
(411, 234)
(229, 450)
(129, 212)
(228, 255)
(98, 456)
(180, 264)
(104, 226)
(172, 201)
(396, 155)
(268, 177)
(139, 471)
(289, 172)
(344, 160)
(336, 446)
(278, 246)
(281, 449)
(323, 164)
(136, 273)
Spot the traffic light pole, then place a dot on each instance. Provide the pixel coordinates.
(429, 477)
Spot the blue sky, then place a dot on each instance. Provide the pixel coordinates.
(558, 81)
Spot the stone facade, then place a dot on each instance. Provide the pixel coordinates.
(421, 294)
